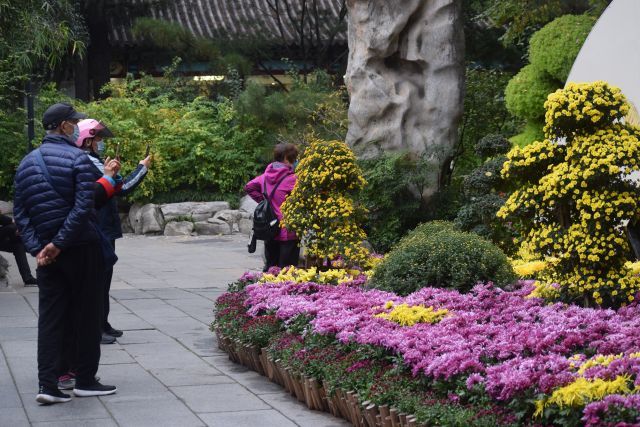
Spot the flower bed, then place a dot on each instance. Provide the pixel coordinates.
(523, 361)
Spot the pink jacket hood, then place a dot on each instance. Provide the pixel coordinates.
(272, 174)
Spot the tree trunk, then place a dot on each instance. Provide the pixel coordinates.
(99, 52)
(81, 78)
(406, 78)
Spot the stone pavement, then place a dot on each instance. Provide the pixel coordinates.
(167, 366)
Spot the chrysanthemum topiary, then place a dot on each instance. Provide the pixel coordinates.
(321, 209)
(575, 193)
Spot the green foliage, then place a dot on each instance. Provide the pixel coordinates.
(35, 36)
(532, 132)
(527, 91)
(523, 17)
(492, 145)
(312, 107)
(555, 47)
(485, 113)
(393, 207)
(438, 254)
(12, 148)
(196, 146)
(553, 51)
(484, 194)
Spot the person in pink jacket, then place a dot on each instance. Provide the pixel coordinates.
(284, 249)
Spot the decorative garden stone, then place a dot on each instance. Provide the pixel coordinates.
(229, 216)
(125, 224)
(245, 226)
(198, 211)
(248, 205)
(405, 77)
(208, 229)
(178, 228)
(146, 219)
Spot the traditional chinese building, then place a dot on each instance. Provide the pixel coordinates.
(309, 33)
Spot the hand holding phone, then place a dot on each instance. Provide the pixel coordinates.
(147, 158)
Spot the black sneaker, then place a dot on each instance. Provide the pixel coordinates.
(114, 332)
(107, 339)
(48, 396)
(96, 389)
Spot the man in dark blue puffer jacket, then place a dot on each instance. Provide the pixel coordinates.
(56, 219)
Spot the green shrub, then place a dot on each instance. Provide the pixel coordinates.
(13, 146)
(527, 91)
(437, 254)
(393, 208)
(531, 132)
(555, 47)
(492, 145)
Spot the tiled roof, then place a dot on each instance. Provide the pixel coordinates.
(235, 18)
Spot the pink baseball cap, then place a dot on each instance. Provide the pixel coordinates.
(91, 128)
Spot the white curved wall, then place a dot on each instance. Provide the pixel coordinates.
(612, 50)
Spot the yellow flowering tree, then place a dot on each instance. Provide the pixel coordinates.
(575, 194)
(321, 209)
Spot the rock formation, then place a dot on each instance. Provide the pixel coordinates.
(405, 76)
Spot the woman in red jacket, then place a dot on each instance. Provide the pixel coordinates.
(284, 249)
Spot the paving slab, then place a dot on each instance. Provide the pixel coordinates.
(78, 409)
(265, 418)
(299, 413)
(102, 422)
(164, 410)
(14, 417)
(219, 398)
(16, 333)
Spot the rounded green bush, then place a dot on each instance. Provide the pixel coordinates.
(527, 92)
(555, 47)
(438, 254)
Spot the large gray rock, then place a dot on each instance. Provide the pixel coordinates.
(124, 222)
(178, 228)
(149, 220)
(198, 211)
(6, 208)
(135, 219)
(405, 77)
(245, 226)
(229, 216)
(247, 206)
(206, 228)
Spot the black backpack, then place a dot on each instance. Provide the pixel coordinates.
(266, 225)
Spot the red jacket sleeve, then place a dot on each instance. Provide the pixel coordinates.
(254, 188)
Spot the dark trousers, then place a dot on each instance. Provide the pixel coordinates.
(281, 253)
(14, 244)
(108, 275)
(70, 313)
